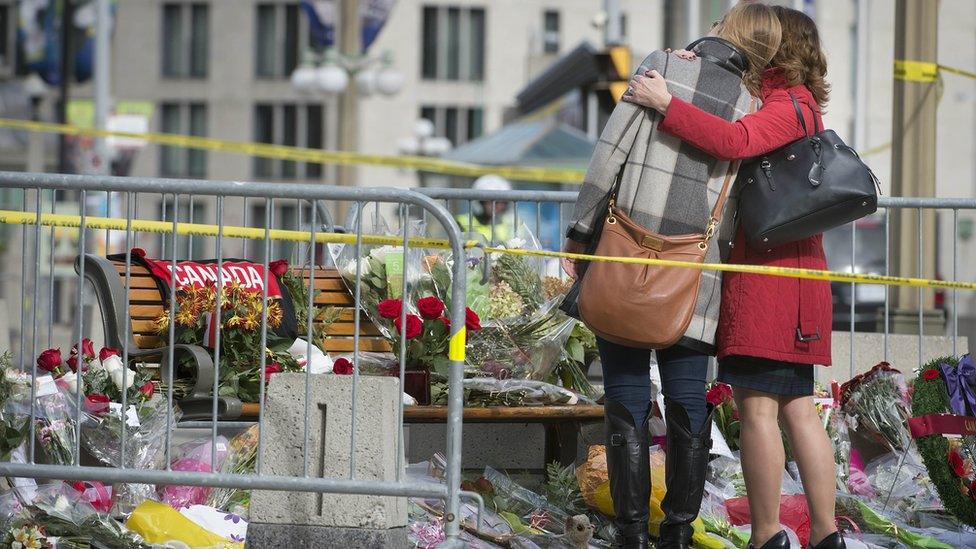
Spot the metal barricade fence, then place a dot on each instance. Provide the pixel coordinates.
(548, 213)
(43, 197)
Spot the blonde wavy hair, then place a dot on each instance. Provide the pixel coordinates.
(756, 31)
(800, 54)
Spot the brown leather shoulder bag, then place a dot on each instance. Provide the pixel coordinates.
(639, 305)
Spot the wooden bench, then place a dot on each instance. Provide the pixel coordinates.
(561, 423)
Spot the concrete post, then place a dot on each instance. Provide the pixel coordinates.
(913, 167)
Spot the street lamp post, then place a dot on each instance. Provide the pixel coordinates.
(423, 142)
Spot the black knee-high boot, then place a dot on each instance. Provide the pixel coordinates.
(628, 462)
(686, 463)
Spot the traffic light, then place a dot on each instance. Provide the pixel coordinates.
(615, 66)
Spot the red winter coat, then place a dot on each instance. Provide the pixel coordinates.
(760, 315)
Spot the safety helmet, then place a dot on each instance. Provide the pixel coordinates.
(491, 182)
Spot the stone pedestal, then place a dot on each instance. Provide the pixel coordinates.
(300, 519)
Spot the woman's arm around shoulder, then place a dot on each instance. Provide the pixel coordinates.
(765, 130)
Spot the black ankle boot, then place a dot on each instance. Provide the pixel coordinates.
(779, 541)
(833, 541)
(686, 463)
(629, 466)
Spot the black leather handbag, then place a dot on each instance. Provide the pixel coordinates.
(804, 188)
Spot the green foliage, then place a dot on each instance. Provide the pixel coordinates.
(931, 397)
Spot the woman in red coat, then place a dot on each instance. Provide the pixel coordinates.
(772, 330)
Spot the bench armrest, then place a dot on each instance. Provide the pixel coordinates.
(201, 360)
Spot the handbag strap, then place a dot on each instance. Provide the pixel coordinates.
(799, 116)
(723, 195)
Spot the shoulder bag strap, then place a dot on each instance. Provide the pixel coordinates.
(724, 193)
(799, 114)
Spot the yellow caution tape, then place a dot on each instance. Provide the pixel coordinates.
(960, 72)
(299, 154)
(916, 71)
(457, 344)
(925, 71)
(197, 229)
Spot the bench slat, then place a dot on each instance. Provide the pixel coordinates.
(349, 329)
(369, 344)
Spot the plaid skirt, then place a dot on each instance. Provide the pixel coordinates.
(768, 376)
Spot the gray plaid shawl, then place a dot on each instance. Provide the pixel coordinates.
(666, 185)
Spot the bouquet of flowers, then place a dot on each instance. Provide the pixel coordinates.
(427, 335)
(14, 401)
(56, 515)
(241, 457)
(240, 335)
(877, 401)
(726, 415)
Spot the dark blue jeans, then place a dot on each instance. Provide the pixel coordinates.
(626, 379)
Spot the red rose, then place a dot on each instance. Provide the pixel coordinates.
(930, 374)
(73, 364)
(471, 320)
(138, 252)
(50, 360)
(96, 404)
(342, 366)
(430, 307)
(272, 368)
(87, 348)
(414, 326)
(279, 267)
(719, 394)
(107, 352)
(957, 463)
(147, 389)
(78, 485)
(446, 321)
(390, 308)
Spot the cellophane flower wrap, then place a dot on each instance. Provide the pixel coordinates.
(197, 456)
(57, 516)
(877, 403)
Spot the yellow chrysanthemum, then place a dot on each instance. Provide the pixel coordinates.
(162, 323)
(274, 314)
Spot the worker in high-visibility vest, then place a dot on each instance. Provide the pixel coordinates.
(479, 219)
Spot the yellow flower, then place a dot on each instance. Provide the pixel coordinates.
(251, 323)
(162, 323)
(235, 321)
(274, 314)
(186, 317)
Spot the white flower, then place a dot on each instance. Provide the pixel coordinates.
(62, 505)
(17, 377)
(96, 364)
(379, 254)
(72, 380)
(117, 376)
(113, 363)
(350, 269)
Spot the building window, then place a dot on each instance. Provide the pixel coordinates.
(458, 124)
(186, 38)
(286, 216)
(183, 119)
(550, 32)
(187, 247)
(281, 34)
(292, 125)
(453, 43)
